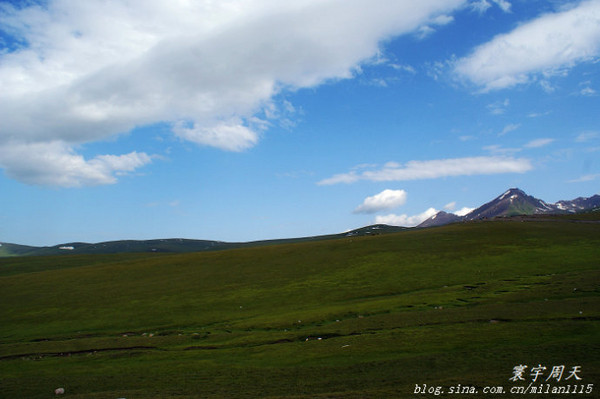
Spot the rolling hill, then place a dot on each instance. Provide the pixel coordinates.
(373, 316)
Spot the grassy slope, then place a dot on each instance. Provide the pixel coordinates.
(461, 304)
(15, 250)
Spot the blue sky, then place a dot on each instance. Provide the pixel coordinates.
(256, 119)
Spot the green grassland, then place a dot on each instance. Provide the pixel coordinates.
(355, 317)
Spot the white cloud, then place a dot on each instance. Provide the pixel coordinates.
(57, 165)
(539, 143)
(419, 170)
(463, 211)
(405, 220)
(547, 45)
(94, 69)
(387, 199)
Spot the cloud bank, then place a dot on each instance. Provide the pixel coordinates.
(420, 170)
(414, 220)
(405, 220)
(83, 71)
(535, 50)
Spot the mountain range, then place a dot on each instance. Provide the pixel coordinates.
(513, 202)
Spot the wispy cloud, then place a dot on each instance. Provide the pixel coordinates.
(511, 127)
(428, 29)
(385, 200)
(538, 114)
(585, 178)
(497, 149)
(481, 6)
(498, 107)
(450, 206)
(539, 143)
(503, 4)
(547, 86)
(587, 91)
(420, 170)
(587, 136)
(546, 45)
(404, 68)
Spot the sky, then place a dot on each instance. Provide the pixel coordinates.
(243, 120)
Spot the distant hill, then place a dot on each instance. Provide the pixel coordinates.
(112, 247)
(516, 202)
(173, 245)
(375, 229)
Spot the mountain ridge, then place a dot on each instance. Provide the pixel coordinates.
(515, 202)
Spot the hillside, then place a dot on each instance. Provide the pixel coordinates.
(355, 317)
(7, 249)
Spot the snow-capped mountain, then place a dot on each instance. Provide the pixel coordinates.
(516, 202)
(579, 204)
(512, 202)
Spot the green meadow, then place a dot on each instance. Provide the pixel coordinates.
(355, 317)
